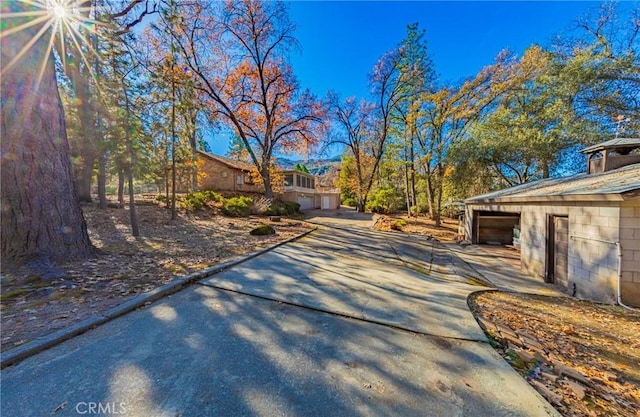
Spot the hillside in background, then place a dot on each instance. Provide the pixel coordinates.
(327, 170)
(318, 166)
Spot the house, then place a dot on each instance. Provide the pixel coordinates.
(581, 232)
(305, 189)
(218, 173)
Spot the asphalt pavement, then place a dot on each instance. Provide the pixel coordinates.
(344, 322)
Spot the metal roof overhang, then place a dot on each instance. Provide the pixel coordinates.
(629, 195)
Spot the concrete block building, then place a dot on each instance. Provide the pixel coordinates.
(581, 232)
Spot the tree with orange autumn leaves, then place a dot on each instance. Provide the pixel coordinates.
(237, 53)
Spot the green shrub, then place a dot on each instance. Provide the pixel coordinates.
(283, 208)
(263, 230)
(291, 207)
(196, 201)
(416, 210)
(349, 201)
(237, 206)
(192, 202)
(399, 224)
(211, 196)
(385, 201)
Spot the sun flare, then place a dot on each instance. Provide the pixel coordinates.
(59, 11)
(68, 25)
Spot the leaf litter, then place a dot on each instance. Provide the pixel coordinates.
(590, 359)
(127, 266)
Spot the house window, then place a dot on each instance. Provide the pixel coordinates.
(298, 181)
(288, 180)
(240, 179)
(224, 174)
(313, 183)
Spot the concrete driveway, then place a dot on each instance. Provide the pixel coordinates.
(344, 322)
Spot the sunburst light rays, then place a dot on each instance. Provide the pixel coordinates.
(56, 19)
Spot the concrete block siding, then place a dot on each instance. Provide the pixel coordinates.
(630, 243)
(594, 229)
(592, 260)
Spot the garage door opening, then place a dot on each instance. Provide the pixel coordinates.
(496, 228)
(500, 231)
(305, 201)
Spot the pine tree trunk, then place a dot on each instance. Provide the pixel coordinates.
(135, 230)
(407, 189)
(121, 187)
(194, 171)
(194, 163)
(414, 195)
(102, 181)
(103, 156)
(174, 214)
(42, 221)
(87, 149)
(166, 186)
(194, 152)
(85, 174)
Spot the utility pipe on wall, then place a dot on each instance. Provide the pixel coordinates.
(619, 254)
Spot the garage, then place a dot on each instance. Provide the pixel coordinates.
(579, 232)
(328, 200)
(305, 201)
(495, 227)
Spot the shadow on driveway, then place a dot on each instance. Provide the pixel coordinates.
(333, 324)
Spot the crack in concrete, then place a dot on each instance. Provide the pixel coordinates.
(343, 315)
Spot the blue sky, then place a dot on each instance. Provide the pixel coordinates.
(340, 41)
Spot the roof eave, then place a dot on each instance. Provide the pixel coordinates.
(554, 198)
(224, 162)
(631, 195)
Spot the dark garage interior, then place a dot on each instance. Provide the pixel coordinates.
(495, 227)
